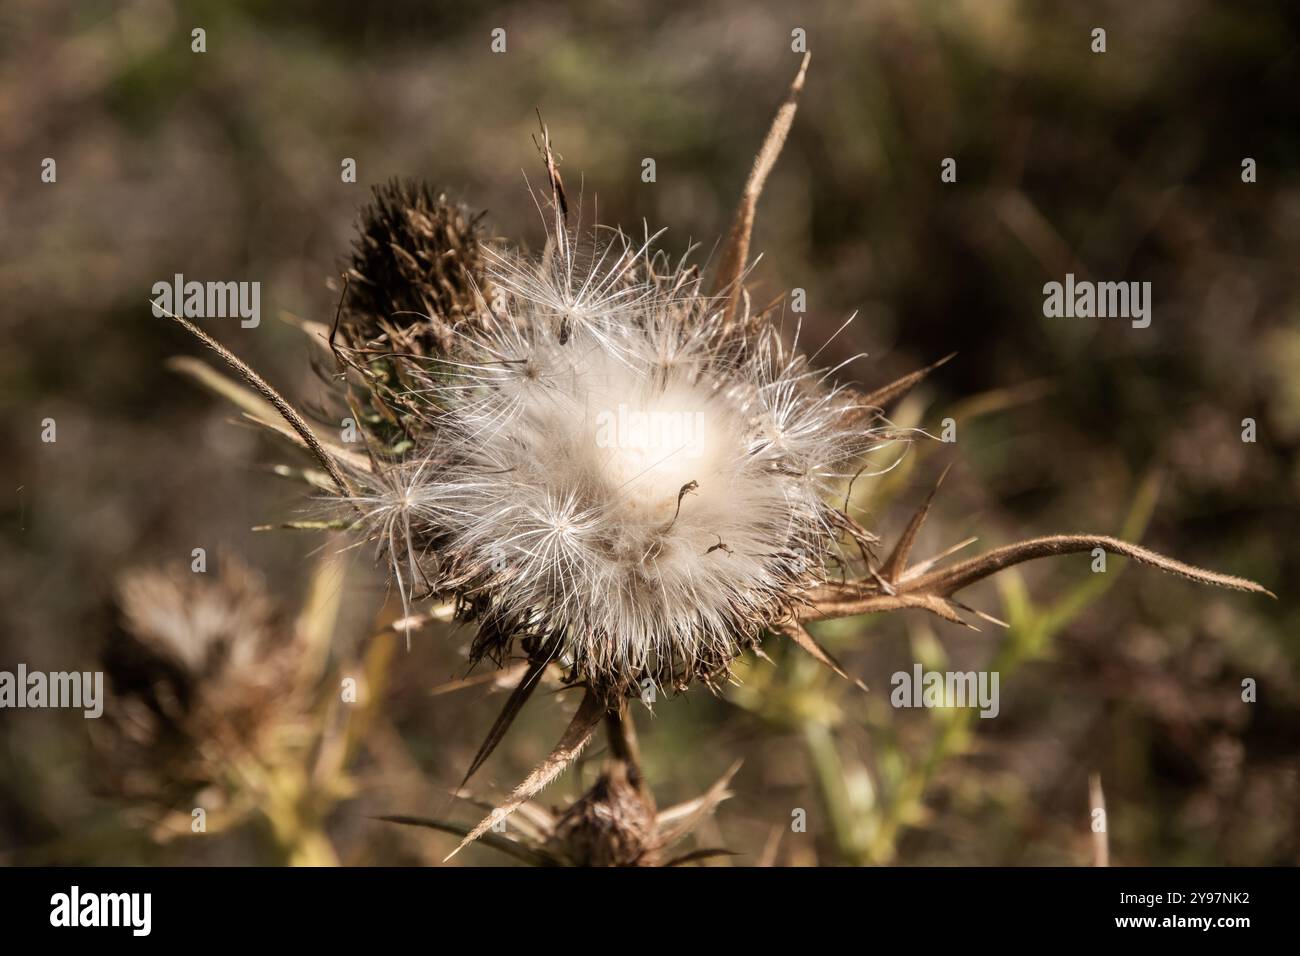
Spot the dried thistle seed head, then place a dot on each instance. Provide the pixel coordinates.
(205, 666)
(416, 270)
(610, 825)
(205, 627)
(614, 472)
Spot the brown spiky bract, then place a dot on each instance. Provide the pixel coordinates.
(415, 273)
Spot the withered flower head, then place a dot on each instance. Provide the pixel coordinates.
(205, 672)
(611, 468)
(416, 263)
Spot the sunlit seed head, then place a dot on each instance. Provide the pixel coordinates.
(612, 470)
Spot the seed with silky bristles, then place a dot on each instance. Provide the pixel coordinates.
(615, 474)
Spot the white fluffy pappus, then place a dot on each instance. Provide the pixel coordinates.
(618, 473)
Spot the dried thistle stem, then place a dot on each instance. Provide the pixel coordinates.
(845, 601)
(735, 251)
(286, 410)
(624, 748)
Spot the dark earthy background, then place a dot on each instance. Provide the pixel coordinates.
(1119, 166)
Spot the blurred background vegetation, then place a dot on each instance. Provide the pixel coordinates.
(1120, 166)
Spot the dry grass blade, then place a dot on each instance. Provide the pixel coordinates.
(536, 819)
(552, 169)
(350, 458)
(508, 676)
(286, 410)
(245, 399)
(896, 563)
(772, 847)
(528, 818)
(496, 841)
(696, 855)
(799, 634)
(922, 566)
(318, 332)
(849, 606)
(899, 387)
(736, 249)
(575, 738)
(514, 704)
(677, 822)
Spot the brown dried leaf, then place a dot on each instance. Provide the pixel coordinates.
(260, 385)
(677, 822)
(735, 250)
(552, 170)
(575, 738)
(797, 633)
(496, 841)
(348, 457)
(514, 704)
(899, 387)
(896, 563)
(947, 580)
(932, 591)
